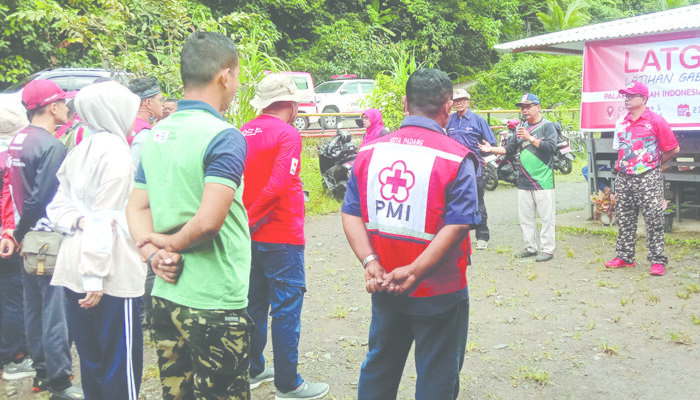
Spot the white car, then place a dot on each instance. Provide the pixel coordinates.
(341, 96)
(305, 84)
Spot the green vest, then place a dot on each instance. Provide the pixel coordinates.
(216, 273)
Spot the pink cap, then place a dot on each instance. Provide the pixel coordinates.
(636, 88)
(41, 92)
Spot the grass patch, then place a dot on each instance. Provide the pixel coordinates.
(611, 285)
(538, 376)
(472, 347)
(320, 200)
(575, 175)
(340, 312)
(681, 338)
(573, 230)
(608, 349)
(652, 299)
(695, 319)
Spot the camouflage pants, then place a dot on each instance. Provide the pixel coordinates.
(202, 354)
(635, 193)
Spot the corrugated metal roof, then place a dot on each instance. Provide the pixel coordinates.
(571, 41)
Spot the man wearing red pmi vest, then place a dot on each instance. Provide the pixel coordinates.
(409, 205)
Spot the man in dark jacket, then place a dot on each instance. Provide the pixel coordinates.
(33, 159)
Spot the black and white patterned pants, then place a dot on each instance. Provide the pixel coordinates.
(635, 193)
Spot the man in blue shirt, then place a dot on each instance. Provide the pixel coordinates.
(470, 130)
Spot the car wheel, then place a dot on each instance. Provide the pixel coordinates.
(301, 123)
(329, 122)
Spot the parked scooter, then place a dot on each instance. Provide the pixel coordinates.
(501, 167)
(563, 157)
(335, 160)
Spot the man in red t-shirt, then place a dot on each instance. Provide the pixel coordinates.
(274, 199)
(644, 142)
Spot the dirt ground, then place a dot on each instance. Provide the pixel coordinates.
(564, 329)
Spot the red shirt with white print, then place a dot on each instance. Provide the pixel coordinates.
(272, 193)
(640, 142)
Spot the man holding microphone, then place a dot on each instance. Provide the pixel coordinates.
(536, 141)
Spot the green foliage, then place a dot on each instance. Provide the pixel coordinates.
(320, 200)
(555, 79)
(561, 15)
(388, 93)
(256, 38)
(347, 46)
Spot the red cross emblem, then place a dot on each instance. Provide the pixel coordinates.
(396, 182)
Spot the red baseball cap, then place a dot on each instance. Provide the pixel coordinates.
(41, 92)
(636, 88)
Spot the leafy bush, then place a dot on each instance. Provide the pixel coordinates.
(555, 79)
(388, 93)
(347, 46)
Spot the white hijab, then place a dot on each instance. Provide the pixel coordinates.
(107, 106)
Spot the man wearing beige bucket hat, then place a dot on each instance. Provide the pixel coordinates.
(274, 200)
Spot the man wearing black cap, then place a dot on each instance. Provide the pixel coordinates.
(33, 159)
(536, 141)
(644, 141)
(150, 112)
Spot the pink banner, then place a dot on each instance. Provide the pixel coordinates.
(669, 64)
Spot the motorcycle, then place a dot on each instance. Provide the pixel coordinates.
(564, 156)
(335, 160)
(502, 167)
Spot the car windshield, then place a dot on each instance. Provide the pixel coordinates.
(302, 83)
(19, 85)
(328, 87)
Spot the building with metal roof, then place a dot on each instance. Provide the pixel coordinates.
(572, 41)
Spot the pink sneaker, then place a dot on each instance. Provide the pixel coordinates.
(618, 263)
(657, 269)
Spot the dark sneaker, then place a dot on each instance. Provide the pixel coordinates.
(307, 390)
(525, 253)
(544, 257)
(40, 384)
(23, 369)
(267, 375)
(69, 393)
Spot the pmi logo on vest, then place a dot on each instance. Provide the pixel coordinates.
(396, 182)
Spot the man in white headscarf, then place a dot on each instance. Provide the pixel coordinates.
(98, 264)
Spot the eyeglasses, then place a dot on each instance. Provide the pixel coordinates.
(462, 100)
(632, 96)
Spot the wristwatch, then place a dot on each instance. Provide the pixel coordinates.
(368, 259)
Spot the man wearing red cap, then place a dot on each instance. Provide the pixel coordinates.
(33, 158)
(644, 142)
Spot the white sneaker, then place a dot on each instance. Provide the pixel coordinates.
(307, 391)
(482, 245)
(24, 369)
(267, 375)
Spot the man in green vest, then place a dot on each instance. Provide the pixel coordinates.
(187, 215)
